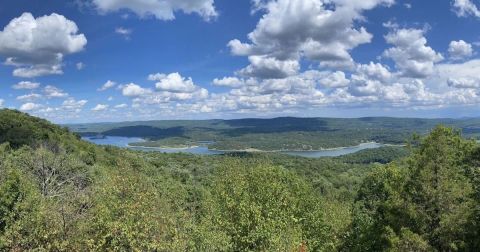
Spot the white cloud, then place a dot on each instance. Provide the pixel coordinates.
(125, 32)
(34, 70)
(109, 84)
(464, 8)
(120, 106)
(1, 103)
(80, 65)
(26, 85)
(156, 77)
(54, 92)
(464, 82)
(71, 104)
(171, 89)
(134, 90)
(335, 80)
(100, 107)
(30, 106)
(269, 68)
(29, 97)
(370, 85)
(459, 50)
(69, 109)
(458, 75)
(174, 83)
(375, 71)
(36, 47)
(292, 29)
(160, 9)
(231, 82)
(413, 58)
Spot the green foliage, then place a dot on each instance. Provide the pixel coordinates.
(129, 214)
(474, 220)
(58, 193)
(376, 209)
(439, 190)
(20, 129)
(424, 203)
(266, 208)
(382, 155)
(55, 171)
(331, 177)
(407, 241)
(22, 225)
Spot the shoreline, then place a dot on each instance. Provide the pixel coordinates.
(323, 149)
(255, 150)
(163, 147)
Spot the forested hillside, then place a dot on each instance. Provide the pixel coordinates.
(287, 133)
(58, 193)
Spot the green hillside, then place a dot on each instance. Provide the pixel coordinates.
(58, 193)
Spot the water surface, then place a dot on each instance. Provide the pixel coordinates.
(334, 152)
(203, 149)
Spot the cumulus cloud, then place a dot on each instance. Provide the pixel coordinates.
(71, 104)
(160, 9)
(69, 109)
(367, 85)
(412, 57)
(459, 50)
(1, 103)
(269, 68)
(464, 8)
(292, 29)
(26, 85)
(464, 82)
(170, 90)
(231, 82)
(375, 71)
(30, 106)
(335, 80)
(29, 97)
(109, 84)
(173, 82)
(459, 75)
(100, 107)
(134, 90)
(303, 83)
(37, 46)
(54, 92)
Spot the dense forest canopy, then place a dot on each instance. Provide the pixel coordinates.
(58, 193)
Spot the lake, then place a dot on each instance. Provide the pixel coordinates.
(203, 150)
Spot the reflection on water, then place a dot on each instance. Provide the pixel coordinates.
(124, 141)
(113, 140)
(334, 152)
(203, 150)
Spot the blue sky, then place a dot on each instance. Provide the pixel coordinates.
(112, 60)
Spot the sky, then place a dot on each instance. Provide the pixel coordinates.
(77, 61)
